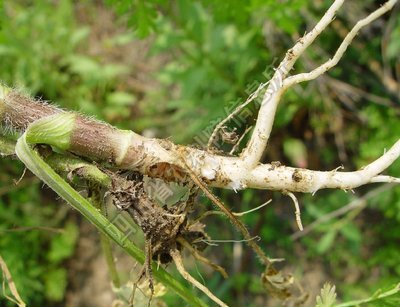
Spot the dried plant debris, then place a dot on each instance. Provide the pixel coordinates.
(167, 229)
(161, 225)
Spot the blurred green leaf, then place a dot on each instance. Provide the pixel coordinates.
(56, 284)
(121, 99)
(79, 35)
(296, 152)
(393, 47)
(84, 66)
(63, 245)
(326, 241)
(351, 232)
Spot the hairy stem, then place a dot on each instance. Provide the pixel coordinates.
(158, 158)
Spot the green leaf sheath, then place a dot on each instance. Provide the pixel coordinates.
(53, 130)
(56, 128)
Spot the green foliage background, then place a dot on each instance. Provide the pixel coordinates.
(209, 54)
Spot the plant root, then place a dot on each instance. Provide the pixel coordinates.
(176, 256)
(201, 258)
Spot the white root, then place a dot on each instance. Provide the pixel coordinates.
(266, 115)
(280, 82)
(297, 210)
(342, 48)
(176, 256)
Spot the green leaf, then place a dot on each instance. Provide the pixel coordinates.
(83, 65)
(351, 232)
(63, 246)
(6, 50)
(53, 130)
(327, 298)
(121, 99)
(296, 152)
(326, 242)
(393, 47)
(144, 18)
(111, 71)
(55, 284)
(141, 14)
(79, 35)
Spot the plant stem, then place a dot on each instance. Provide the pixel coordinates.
(104, 241)
(106, 247)
(41, 169)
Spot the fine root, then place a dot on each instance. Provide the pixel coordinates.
(297, 210)
(176, 256)
(201, 258)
